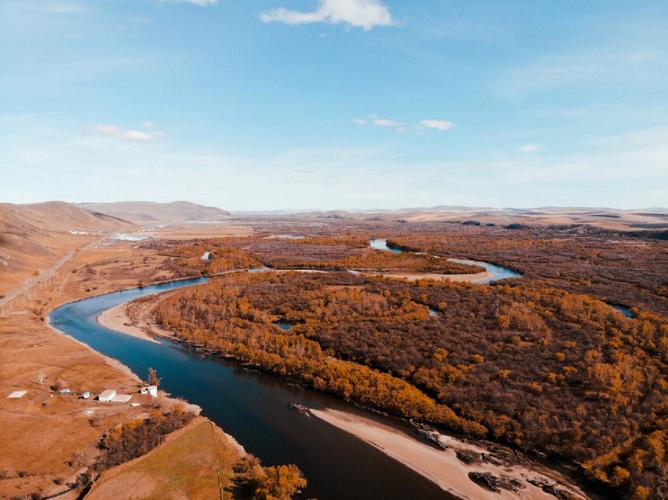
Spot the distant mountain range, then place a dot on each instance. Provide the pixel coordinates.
(147, 212)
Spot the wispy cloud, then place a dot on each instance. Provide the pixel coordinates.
(53, 160)
(401, 126)
(385, 122)
(600, 67)
(365, 14)
(437, 124)
(528, 148)
(380, 122)
(115, 132)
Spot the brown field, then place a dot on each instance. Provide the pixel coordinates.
(48, 438)
(195, 462)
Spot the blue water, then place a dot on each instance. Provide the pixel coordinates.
(381, 244)
(283, 325)
(498, 272)
(254, 408)
(626, 311)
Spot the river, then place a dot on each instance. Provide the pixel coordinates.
(254, 408)
(497, 272)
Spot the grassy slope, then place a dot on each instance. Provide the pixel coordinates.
(187, 465)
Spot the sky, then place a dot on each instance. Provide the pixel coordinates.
(326, 104)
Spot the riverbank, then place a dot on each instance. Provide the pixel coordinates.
(509, 472)
(443, 467)
(49, 438)
(284, 438)
(117, 319)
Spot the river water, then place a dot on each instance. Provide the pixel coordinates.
(498, 272)
(254, 408)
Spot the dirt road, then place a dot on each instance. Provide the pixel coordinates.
(45, 274)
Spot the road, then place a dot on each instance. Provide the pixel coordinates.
(45, 274)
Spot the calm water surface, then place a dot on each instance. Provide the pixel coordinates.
(381, 244)
(626, 311)
(253, 407)
(498, 272)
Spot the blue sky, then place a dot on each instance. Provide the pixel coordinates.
(261, 104)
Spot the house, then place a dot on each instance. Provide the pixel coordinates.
(121, 398)
(107, 395)
(151, 389)
(17, 394)
(85, 395)
(65, 391)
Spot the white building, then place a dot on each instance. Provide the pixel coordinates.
(107, 395)
(151, 389)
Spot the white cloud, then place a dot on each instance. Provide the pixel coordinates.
(42, 160)
(114, 132)
(400, 126)
(365, 14)
(148, 124)
(437, 124)
(528, 148)
(385, 122)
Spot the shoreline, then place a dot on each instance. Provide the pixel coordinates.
(443, 467)
(117, 319)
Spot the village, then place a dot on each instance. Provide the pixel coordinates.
(144, 395)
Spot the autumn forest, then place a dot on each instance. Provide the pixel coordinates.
(542, 363)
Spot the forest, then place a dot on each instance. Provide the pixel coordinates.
(539, 369)
(615, 267)
(542, 363)
(330, 253)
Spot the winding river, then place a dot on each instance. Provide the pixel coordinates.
(255, 408)
(497, 272)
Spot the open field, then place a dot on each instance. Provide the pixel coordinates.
(194, 462)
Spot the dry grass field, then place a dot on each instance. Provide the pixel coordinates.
(195, 462)
(48, 438)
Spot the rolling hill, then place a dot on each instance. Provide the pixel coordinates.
(147, 212)
(34, 236)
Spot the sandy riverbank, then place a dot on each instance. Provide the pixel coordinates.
(118, 320)
(442, 466)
